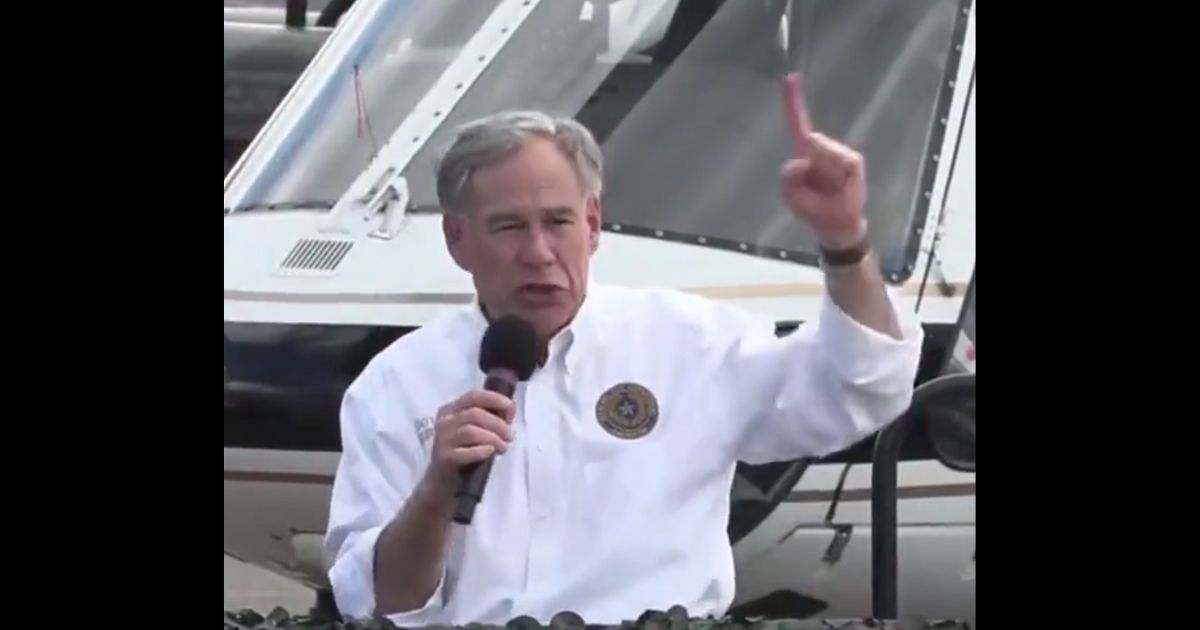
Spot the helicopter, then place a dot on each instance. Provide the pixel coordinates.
(333, 247)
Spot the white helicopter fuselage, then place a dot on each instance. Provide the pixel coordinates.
(355, 275)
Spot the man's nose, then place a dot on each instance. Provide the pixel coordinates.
(536, 250)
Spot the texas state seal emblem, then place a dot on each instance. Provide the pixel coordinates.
(627, 411)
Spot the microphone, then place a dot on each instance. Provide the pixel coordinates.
(507, 355)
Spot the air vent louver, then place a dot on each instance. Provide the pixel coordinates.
(316, 256)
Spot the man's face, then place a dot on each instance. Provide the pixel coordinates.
(528, 236)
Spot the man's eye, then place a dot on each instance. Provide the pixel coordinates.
(562, 221)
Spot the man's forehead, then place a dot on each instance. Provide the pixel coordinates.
(526, 194)
(535, 177)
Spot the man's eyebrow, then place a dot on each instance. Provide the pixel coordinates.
(514, 216)
(505, 217)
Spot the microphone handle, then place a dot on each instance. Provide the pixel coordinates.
(475, 476)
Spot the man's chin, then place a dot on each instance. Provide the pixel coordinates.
(547, 320)
(547, 314)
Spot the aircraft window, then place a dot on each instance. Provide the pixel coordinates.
(556, 60)
(686, 103)
(712, 124)
(402, 56)
(707, 115)
(563, 60)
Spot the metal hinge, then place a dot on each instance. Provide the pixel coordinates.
(392, 201)
(388, 196)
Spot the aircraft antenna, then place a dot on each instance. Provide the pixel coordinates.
(364, 118)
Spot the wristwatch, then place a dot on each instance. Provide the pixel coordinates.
(847, 257)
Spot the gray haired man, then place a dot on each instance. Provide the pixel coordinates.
(610, 492)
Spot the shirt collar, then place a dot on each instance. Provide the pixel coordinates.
(584, 332)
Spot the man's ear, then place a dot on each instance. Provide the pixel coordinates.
(595, 218)
(454, 228)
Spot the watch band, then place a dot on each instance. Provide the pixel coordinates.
(846, 257)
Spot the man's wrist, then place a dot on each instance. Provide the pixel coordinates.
(846, 250)
(836, 237)
(435, 498)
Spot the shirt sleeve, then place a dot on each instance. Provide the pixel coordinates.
(377, 472)
(820, 389)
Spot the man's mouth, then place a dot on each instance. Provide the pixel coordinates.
(539, 291)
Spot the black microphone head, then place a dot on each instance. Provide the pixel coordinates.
(509, 343)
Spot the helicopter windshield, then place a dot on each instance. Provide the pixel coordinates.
(684, 96)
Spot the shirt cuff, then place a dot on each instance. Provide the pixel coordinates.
(352, 578)
(869, 359)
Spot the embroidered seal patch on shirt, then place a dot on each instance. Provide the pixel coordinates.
(627, 411)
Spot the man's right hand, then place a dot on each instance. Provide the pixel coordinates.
(411, 551)
(468, 430)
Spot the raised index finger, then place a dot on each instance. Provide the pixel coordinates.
(796, 113)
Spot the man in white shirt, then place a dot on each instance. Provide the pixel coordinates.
(609, 495)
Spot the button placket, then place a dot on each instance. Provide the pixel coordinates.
(539, 417)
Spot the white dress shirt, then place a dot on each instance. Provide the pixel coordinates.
(573, 516)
